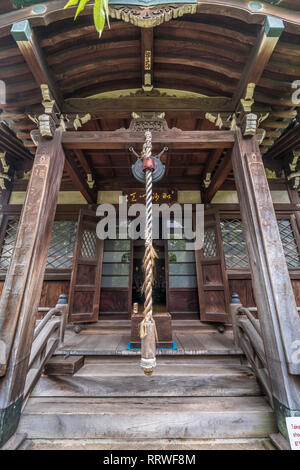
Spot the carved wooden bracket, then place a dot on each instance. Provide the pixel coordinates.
(150, 16)
(247, 121)
(50, 120)
(4, 174)
(90, 181)
(148, 121)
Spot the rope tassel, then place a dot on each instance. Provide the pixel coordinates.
(148, 331)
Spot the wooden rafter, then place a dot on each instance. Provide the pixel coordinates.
(30, 49)
(219, 177)
(79, 181)
(262, 50)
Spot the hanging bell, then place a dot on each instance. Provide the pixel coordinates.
(157, 174)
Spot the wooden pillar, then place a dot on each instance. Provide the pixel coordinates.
(23, 285)
(272, 287)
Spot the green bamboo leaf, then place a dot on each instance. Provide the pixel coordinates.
(80, 7)
(99, 16)
(71, 3)
(100, 13)
(106, 12)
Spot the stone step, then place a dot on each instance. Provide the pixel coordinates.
(127, 380)
(148, 444)
(144, 418)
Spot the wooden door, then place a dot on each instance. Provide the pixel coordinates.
(85, 286)
(213, 289)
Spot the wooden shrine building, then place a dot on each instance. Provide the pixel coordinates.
(217, 82)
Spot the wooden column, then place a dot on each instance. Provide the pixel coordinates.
(280, 323)
(23, 285)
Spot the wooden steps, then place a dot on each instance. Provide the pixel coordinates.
(141, 418)
(149, 444)
(197, 396)
(126, 379)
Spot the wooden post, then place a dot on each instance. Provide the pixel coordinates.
(23, 285)
(234, 306)
(280, 324)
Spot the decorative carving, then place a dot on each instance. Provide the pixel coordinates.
(148, 121)
(47, 125)
(243, 118)
(248, 101)
(249, 124)
(207, 180)
(147, 60)
(294, 168)
(154, 92)
(148, 17)
(4, 174)
(90, 181)
(27, 175)
(50, 120)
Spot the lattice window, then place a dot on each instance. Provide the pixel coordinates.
(88, 244)
(210, 243)
(289, 243)
(61, 249)
(8, 244)
(234, 244)
(62, 243)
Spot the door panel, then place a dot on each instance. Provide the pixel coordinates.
(86, 272)
(213, 290)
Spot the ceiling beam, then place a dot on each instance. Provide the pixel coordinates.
(260, 55)
(120, 139)
(29, 47)
(102, 107)
(79, 181)
(218, 179)
(147, 58)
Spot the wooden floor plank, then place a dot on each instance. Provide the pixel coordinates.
(199, 417)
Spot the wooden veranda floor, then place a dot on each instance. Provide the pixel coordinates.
(108, 337)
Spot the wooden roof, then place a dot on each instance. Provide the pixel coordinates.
(205, 53)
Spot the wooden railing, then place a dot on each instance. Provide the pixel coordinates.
(248, 337)
(48, 335)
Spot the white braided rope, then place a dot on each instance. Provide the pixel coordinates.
(148, 260)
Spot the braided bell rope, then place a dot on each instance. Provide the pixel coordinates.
(150, 254)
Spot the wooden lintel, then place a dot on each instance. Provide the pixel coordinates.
(196, 107)
(29, 47)
(120, 139)
(262, 50)
(219, 177)
(79, 181)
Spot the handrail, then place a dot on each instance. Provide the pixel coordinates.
(48, 335)
(248, 337)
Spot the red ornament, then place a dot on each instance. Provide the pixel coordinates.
(148, 164)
